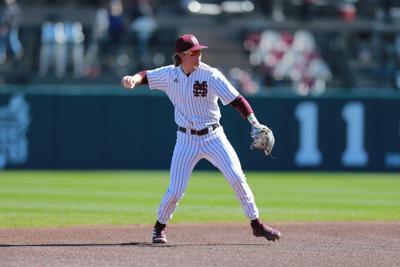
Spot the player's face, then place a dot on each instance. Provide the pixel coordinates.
(192, 57)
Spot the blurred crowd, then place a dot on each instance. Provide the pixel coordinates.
(122, 37)
(285, 58)
(67, 45)
(113, 24)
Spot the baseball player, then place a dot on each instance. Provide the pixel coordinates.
(194, 89)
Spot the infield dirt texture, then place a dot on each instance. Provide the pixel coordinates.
(302, 244)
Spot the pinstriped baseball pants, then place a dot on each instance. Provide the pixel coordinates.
(216, 148)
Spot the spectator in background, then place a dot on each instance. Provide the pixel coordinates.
(142, 26)
(10, 20)
(302, 64)
(116, 25)
(75, 37)
(277, 13)
(53, 48)
(347, 10)
(266, 51)
(116, 29)
(98, 39)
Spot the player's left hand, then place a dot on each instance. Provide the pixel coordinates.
(263, 138)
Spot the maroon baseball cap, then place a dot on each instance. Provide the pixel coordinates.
(187, 43)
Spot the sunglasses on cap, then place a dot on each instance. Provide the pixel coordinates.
(192, 53)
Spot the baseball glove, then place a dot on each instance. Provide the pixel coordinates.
(263, 139)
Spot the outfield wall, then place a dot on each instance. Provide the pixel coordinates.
(57, 127)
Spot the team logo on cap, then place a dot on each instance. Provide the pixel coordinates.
(194, 40)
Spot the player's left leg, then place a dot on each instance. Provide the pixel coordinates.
(221, 154)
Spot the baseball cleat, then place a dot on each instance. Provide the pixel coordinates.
(159, 237)
(260, 229)
(159, 233)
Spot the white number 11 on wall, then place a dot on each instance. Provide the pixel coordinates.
(308, 153)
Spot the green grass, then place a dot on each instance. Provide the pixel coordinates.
(61, 198)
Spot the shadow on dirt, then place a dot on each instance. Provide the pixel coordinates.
(132, 244)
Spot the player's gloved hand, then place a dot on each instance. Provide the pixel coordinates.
(128, 82)
(263, 138)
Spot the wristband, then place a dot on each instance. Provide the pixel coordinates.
(252, 119)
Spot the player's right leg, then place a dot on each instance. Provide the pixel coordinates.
(185, 157)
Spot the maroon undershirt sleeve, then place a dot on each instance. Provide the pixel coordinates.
(242, 106)
(143, 73)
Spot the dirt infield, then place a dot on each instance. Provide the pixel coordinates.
(302, 244)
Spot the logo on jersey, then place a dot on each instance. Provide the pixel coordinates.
(176, 80)
(200, 89)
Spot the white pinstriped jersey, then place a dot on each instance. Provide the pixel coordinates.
(195, 97)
